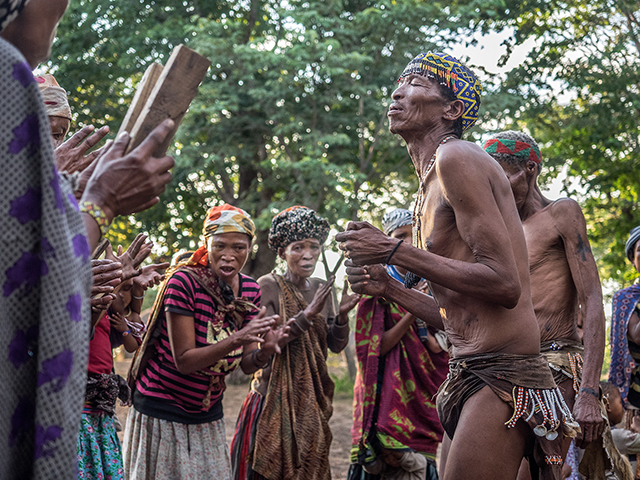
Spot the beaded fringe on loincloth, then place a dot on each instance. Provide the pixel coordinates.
(529, 401)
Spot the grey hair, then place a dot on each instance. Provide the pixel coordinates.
(518, 137)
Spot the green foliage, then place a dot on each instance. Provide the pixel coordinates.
(578, 93)
(292, 111)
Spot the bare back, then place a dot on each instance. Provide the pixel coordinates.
(470, 215)
(553, 291)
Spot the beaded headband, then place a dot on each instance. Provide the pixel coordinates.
(448, 71)
(513, 147)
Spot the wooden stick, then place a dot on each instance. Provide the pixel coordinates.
(145, 87)
(171, 96)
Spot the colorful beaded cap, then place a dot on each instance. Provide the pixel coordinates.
(294, 224)
(450, 72)
(513, 147)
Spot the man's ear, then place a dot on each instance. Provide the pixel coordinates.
(281, 253)
(453, 110)
(532, 167)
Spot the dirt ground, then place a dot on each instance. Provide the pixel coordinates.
(235, 394)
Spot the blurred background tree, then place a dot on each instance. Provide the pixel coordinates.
(293, 108)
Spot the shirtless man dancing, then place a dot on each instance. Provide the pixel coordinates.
(472, 251)
(564, 281)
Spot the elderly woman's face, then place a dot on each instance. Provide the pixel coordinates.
(33, 31)
(228, 252)
(302, 256)
(59, 129)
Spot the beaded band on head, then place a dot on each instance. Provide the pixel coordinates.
(448, 71)
(513, 147)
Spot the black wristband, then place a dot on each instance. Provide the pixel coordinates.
(589, 391)
(393, 251)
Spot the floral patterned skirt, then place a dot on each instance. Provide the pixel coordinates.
(99, 453)
(162, 450)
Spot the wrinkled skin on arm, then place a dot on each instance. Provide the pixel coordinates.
(475, 258)
(571, 226)
(375, 281)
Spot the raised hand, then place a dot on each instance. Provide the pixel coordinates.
(132, 258)
(118, 321)
(257, 328)
(151, 276)
(123, 184)
(364, 244)
(320, 298)
(72, 156)
(368, 280)
(347, 302)
(276, 338)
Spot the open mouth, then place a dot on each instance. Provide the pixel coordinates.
(394, 109)
(227, 270)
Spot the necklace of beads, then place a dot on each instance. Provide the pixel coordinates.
(411, 279)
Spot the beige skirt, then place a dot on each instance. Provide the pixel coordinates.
(157, 449)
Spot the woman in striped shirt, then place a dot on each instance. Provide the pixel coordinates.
(205, 315)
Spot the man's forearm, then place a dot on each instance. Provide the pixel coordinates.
(594, 333)
(421, 305)
(474, 279)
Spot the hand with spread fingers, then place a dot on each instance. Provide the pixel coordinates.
(150, 276)
(586, 411)
(367, 280)
(123, 184)
(319, 299)
(347, 303)
(257, 328)
(364, 244)
(107, 275)
(132, 258)
(276, 338)
(72, 155)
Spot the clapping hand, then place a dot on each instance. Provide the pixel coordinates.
(72, 156)
(132, 258)
(150, 276)
(320, 298)
(107, 275)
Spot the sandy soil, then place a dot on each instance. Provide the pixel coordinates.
(235, 394)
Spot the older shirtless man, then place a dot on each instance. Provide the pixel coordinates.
(472, 250)
(564, 281)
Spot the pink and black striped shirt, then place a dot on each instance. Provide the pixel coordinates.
(161, 380)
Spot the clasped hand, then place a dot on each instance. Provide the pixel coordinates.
(364, 244)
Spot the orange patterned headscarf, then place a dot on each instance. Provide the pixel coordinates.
(223, 219)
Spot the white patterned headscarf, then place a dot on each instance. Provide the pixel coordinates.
(54, 97)
(9, 10)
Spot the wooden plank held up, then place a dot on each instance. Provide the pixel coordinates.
(145, 87)
(174, 91)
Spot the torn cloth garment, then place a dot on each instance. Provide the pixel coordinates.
(565, 360)
(293, 437)
(521, 380)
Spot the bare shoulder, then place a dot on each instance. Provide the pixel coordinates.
(564, 207)
(466, 160)
(567, 215)
(267, 284)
